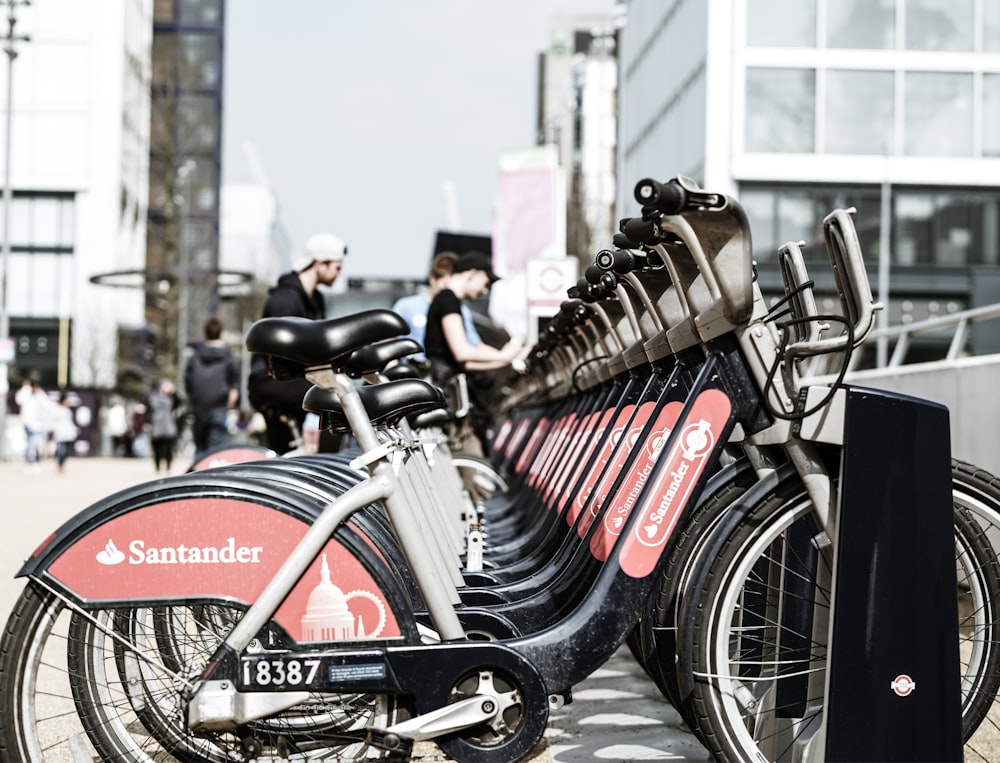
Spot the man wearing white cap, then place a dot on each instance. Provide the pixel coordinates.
(296, 294)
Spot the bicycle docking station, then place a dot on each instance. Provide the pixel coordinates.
(786, 557)
(893, 681)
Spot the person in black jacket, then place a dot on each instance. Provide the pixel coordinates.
(212, 384)
(296, 294)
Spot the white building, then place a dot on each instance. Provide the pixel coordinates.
(79, 174)
(577, 115)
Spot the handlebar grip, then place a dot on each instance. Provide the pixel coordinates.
(668, 198)
(620, 261)
(621, 241)
(637, 230)
(593, 273)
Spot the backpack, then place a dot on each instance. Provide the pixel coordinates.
(207, 380)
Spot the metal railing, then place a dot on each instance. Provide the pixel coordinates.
(900, 338)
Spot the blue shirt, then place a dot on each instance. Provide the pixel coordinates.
(413, 310)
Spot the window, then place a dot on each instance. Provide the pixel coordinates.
(861, 24)
(200, 11)
(43, 221)
(957, 228)
(859, 112)
(41, 237)
(198, 123)
(781, 23)
(991, 26)
(779, 214)
(938, 114)
(199, 65)
(939, 24)
(991, 113)
(780, 110)
(954, 228)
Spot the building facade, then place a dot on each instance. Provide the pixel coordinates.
(79, 166)
(577, 104)
(183, 275)
(800, 106)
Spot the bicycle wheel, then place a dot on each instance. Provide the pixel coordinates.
(654, 639)
(480, 477)
(105, 685)
(758, 656)
(979, 500)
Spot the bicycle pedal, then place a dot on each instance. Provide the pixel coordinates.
(399, 747)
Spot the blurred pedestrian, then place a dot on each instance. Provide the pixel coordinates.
(163, 407)
(64, 430)
(116, 427)
(212, 385)
(34, 418)
(297, 294)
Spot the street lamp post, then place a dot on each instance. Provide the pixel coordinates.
(6, 348)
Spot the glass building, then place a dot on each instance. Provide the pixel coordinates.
(800, 106)
(182, 254)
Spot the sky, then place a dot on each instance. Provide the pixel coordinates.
(360, 113)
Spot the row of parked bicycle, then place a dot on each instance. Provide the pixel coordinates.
(663, 475)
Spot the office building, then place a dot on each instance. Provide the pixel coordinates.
(79, 168)
(800, 106)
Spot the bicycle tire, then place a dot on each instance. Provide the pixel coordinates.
(656, 640)
(481, 473)
(731, 710)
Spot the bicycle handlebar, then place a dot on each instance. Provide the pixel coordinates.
(853, 288)
(673, 197)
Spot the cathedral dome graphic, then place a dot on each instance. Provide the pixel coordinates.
(327, 616)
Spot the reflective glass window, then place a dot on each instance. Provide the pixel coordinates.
(164, 58)
(937, 114)
(200, 11)
(783, 213)
(781, 23)
(991, 113)
(197, 123)
(861, 24)
(780, 110)
(859, 112)
(953, 228)
(20, 221)
(939, 24)
(199, 61)
(991, 26)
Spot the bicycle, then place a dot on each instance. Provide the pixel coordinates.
(259, 682)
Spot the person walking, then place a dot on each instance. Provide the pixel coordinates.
(64, 430)
(212, 385)
(297, 294)
(34, 418)
(163, 404)
(116, 427)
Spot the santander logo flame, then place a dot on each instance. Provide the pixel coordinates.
(110, 554)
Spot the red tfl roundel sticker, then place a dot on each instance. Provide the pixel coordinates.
(903, 685)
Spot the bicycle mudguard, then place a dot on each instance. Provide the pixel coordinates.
(180, 540)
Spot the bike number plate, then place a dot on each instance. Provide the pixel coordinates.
(280, 673)
(310, 672)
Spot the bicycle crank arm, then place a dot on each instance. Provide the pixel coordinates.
(463, 714)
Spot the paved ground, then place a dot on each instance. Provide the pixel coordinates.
(616, 715)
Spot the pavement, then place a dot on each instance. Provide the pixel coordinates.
(617, 714)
